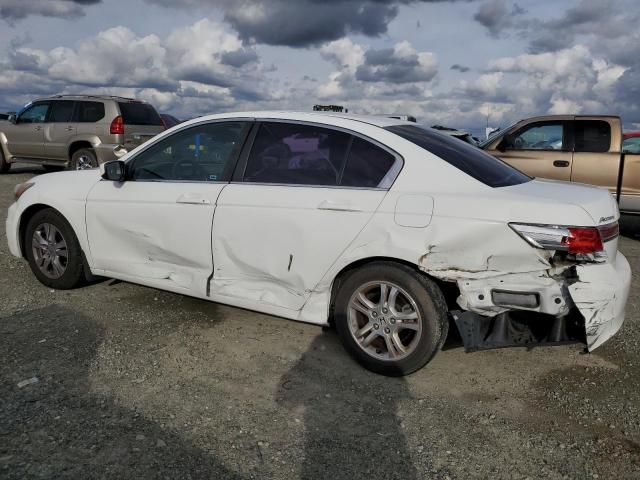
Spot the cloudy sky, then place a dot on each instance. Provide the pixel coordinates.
(451, 62)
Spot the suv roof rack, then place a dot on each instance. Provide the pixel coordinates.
(84, 95)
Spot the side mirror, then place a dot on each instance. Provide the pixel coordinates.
(12, 118)
(113, 171)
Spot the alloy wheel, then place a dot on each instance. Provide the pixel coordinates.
(384, 320)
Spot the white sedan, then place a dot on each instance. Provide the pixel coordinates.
(380, 227)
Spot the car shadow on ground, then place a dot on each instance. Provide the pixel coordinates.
(57, 427)
(352, 430)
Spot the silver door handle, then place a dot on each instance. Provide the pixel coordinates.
(193, 199)
(338, 206)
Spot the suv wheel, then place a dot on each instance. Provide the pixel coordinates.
(83, 159)
(4, 165)
(53, 251)
(390, 318)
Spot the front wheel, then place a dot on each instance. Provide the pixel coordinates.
(53, 251)
(83, 159)
(390, 318)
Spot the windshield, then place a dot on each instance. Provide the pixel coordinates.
(471, 160)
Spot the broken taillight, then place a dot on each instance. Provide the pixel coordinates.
(578, 241)
(583, 240)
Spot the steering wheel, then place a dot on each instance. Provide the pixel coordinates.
(186, 169)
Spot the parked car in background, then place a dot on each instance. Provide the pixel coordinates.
(459, 134)
(583, 149)
(76, 131)
(406, 118)
(169, 120)
(376, 225)
(631, 142)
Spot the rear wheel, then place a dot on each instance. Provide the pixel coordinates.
(390, 318)
(53, 251)
(4, 165)
(83, 159)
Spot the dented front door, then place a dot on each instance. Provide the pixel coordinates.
(156, 226)
(155, 231)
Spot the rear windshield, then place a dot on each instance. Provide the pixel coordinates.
(139, 114)
(471, 160)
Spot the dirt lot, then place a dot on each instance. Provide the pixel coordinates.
(137, 383)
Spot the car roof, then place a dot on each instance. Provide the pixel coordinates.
(320, 117)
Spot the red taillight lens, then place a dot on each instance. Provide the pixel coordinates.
(583, 240)
(117, 126)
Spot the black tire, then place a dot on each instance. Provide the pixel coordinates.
(83, 159)
(4, 165)
(428, 299)
(74, 265)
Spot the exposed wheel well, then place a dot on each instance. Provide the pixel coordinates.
(24, 220)
(449, 289)
(75, 146)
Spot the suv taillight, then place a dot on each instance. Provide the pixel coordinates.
(117, 126)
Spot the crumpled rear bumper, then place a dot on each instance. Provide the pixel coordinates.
(585, 304)
(600, 294)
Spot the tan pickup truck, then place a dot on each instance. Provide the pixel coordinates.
(584, 149)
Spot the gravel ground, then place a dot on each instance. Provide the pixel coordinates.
(131, 382)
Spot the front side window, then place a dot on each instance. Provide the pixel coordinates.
(467, 158)
(61, 111)
(592, 136)
(294, 154)
(36, 113)
(89, 112)
(538, 136)
(204, 153)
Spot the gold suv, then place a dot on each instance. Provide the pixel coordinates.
(76, 131)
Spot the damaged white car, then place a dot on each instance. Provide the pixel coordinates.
(376, 225)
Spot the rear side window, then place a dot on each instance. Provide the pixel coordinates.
(367, 165)
(631, 145)
(61, 111)
(88, 112)
(294, 154)
(139, 114)
(592, 136)
(467, 158)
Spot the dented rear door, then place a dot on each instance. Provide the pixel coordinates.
(295, 208)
